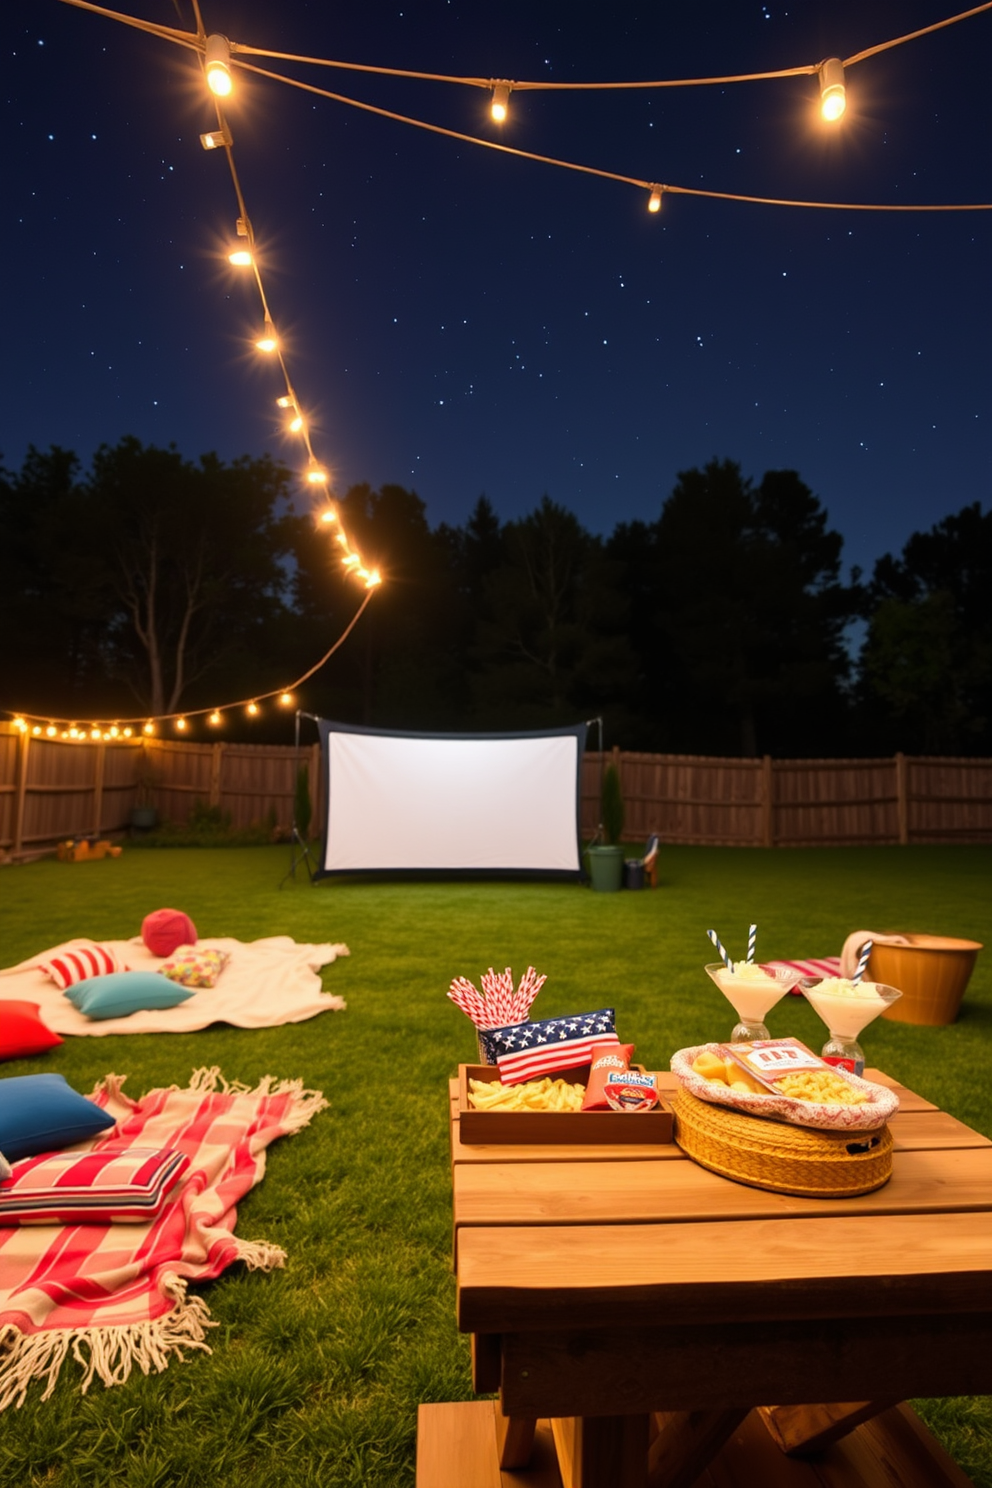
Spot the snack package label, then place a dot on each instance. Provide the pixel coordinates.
(768, 1060)
(630, 1091)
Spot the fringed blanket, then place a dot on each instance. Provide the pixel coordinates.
(265, 983)
(115, 1294)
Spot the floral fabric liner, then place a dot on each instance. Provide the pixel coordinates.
(195, 968)
(882, 1103)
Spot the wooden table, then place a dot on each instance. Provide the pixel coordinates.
(648, 1324)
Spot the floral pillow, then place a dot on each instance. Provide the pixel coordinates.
(195, 968)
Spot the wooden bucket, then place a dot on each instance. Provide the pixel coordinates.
(931, 972)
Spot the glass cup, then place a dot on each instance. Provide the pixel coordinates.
(846, 1014)
(752, 997)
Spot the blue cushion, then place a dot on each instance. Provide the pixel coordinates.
(125, 992)
(41, 1113)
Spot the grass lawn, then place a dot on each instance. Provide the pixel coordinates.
(318, 1369)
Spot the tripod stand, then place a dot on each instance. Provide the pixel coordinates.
(300, 850)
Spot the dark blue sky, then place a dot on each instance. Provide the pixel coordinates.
(462, 322)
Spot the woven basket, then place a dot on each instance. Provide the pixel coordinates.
(785, 1159)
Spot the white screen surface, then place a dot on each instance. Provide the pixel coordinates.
(451, 802)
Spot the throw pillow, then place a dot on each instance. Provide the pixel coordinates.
(115, 1183)
(195, 968)
(123, 993)
(78, 963)
(165, 930)
(22, 1032)
(41, 1113)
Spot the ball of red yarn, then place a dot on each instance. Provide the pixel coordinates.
(165, 930)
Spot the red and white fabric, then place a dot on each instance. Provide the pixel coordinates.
(118, 1183)
(114, 1296)
(79, 962)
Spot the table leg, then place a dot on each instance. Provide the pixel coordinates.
(602, 1451)
(514, 1438)
(803, 1429)
(686, 1442)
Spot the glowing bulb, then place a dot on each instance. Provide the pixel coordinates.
(36, 729)
(500, 106)
(217, 58)
(654, 200)
(181, 724)
(268, 341)
(252, 709)
(216, 139)
(374, 578)
(95, 733)
(149, 727)
(295, 424)
(316, 474)
(328, 514)
(240, 256)
(128, 732)
(286, 401)
(51, 731)
(833, 93)
(286, 698)
(352, 561)
(214, 717)
(20, 724)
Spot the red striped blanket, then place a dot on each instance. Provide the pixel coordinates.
(817, 966)
(115, 1294)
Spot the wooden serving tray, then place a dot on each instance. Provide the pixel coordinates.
(642, 1127)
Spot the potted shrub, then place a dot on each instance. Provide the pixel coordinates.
(144, 815)
(606, 858)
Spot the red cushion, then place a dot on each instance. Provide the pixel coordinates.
(113, 1183)
(165, 930)
(22, 1031)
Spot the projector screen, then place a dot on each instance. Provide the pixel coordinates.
(483, 804)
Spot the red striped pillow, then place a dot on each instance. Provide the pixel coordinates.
(78, 963)
(113, 1183)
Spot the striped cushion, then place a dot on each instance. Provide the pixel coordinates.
(116, 1182)
(87, 959)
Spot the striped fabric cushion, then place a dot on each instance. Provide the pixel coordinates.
(117, 1183)
(79, 962)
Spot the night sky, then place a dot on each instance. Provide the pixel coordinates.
(462, 322)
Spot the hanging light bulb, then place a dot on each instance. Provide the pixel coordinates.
(654, 200)
(36, 729)
(286, 401)
(241, 254)
(95, 733)
(295, 424)
(374, 578)
(217, 62)
(316, 474)
(252, 709)
(268, 340)
(833, 93)
(500, 106)
(328, 515)
(286, 699)
(128, 732)
(149, 727)
(214, 718)
(181, 725)
(51, 731)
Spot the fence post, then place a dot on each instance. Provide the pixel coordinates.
(216, 766)
(767, 824)
(22, 785)
(99, 765)
(315, 782)
(902, 799)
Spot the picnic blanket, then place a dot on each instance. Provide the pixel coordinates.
(115, 1294)
(265, 983)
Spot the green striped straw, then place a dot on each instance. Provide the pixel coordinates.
(723, 955)
(752, 936)
(863, 960)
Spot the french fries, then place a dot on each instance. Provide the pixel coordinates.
(821, 1085)
(536, 1095)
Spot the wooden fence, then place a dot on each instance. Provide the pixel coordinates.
(51, 790)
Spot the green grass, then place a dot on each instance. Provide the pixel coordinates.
(317, 1370)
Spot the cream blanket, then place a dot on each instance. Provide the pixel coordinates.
(265, 983)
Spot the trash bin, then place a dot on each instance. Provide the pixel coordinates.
(605, 868)
(633, 873)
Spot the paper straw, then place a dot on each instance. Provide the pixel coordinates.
(863, 960)
(752, 935)
(722, 953)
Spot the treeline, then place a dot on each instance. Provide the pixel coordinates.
(150, 583)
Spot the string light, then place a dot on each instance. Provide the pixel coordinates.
(316, 474)
(654, 200)
(215, 717)
(252, 709)
(216, 139)
(217, 64)
(833, 92)
(181, 725)
(286, 699)
(500, 106)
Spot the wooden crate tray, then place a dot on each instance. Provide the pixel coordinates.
(557, 1126)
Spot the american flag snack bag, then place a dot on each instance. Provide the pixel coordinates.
(526, 1051)
(631, 1091)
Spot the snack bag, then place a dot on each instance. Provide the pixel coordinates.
(631, 1091)
(607, 1059)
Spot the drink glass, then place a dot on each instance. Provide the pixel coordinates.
(752, 997)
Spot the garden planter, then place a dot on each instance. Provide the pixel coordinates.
(605, 868)
(143, 818)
